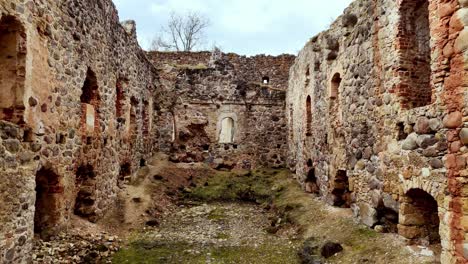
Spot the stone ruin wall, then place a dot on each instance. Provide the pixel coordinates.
(76, 111)
(208, 88)
(385, 127)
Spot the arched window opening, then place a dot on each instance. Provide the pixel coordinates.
(266, 80)
(12, 69)
(335, 86)
(227, 131)
(419, 219)
(49, 194)
(90, 102)
(340, 192)
(413, 42)
(309, 116)
(86, 197)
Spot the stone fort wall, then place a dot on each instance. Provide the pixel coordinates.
(211, 88)
(76, 99)
(377, 111)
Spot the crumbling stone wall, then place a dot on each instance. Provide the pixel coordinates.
(69, 72)
(388, 111)
(212, 89)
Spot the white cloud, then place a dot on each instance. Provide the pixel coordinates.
(242, 26)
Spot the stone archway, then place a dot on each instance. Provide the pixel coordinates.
(419, 220)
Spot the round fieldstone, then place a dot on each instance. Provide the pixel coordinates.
(453, 120)
(464, 136)
(436, 163)
(422, 125)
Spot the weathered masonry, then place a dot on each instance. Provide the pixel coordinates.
(76, 95)
(378, 118)
(82, 108)
(224, 109)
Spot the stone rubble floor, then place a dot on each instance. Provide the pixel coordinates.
(75, 248)
(212, 233)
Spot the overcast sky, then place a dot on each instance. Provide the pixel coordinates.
(245, 27)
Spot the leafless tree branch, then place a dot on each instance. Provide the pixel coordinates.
(183, 32)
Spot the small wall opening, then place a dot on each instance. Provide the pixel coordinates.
(124, 174)
(309, 116)
(86, 186)
(146, 119)
(335, 86)
(174, 128)
(90, 93)
(49, 194)
(226, 134)
(291, 122)
(90, 102)
(413, 42)
(132, 126)
(340, 192)
(120, 98)
(387, 218)
(266, 80)
(311, 180)
(419, 218)
(12, 69)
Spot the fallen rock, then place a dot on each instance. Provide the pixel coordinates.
(309, 252)
(330, 249)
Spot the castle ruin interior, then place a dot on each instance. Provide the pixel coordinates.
(371, 115)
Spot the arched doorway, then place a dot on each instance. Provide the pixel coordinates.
(49, 192)
(419, 219)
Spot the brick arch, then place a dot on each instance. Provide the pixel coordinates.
(433, 188)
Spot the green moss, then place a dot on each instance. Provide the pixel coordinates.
(249, 254)
(172, 252)
(199, 66)
(217, 215)
(222, 236)
(158, 252)
(366, 232)
(255, 186)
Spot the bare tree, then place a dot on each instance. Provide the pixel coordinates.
(183, 32)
